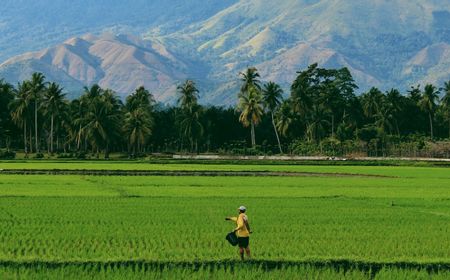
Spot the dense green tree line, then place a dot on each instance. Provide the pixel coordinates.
(322, 107)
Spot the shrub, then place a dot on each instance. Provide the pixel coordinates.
(39, 156)
(4, 154)
(81, 155)
(301, 147)
(65, 155)
(331, 147)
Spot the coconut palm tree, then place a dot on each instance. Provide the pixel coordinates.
(446, 103)
(394, 101)
(427, 103)
(272, 98)
(138, 128)
(81, 108)
(54, 104)
(191, 127)
(385, 119)
(20, 110)
(250, 79)
(102, 122)
(251, 107)
(284, 118)
(303, 91)
(316, 123)
(37, 87)
(141, 98)
(138, 118)
(188, 95)
(372, 102)
(332, 100)
(6, 97)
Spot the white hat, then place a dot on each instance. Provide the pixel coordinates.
(242, 208)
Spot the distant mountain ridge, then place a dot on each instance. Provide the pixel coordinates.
(384, 43)
(122, 63)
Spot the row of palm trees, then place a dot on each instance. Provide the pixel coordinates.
(255, 100)
(97, 119)
(31, 96)
(324, 99)
(322, 104)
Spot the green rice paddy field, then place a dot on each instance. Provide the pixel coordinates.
(395, 225)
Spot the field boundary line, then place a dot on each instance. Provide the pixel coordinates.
(181, 173)
(307, 158)
(371, 268)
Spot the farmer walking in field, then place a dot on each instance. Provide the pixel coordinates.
(242, 231)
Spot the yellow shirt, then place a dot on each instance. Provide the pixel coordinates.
(241, 229)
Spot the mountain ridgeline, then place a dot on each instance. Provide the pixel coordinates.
(387, 44)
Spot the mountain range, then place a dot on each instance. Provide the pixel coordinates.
(122, 45)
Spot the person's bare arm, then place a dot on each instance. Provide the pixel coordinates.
(247, 225)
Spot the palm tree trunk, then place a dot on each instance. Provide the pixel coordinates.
(276, 133)
(449, 128)
(252, 131)
(332, 125)
(397, 127)
(79, 139)
(35, 126)
(31, 140)
(51, 135)
(25, 138)
(107, 151)
(431, 125)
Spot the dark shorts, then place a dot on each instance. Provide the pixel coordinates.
(243, 242)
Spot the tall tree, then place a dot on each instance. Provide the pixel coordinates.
(138, 119)
(250, 79)
(141, 98)
(188, 95)
(191, 126)
(54, 104)
(20, 110)
(372, 102)
(414, 119)
(138, 127)
(395, 104)
(81, 109)
(284, 117)
(102, 122)
(6, 97)
(272, 98)
(251, 107)
(385, 119)
(37, 88)
(428, 102)
(304, 94)
(317, 120)
(303, 89)
(446, 104)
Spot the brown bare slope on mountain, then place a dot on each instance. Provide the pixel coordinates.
(430, 65)
(121, 63)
